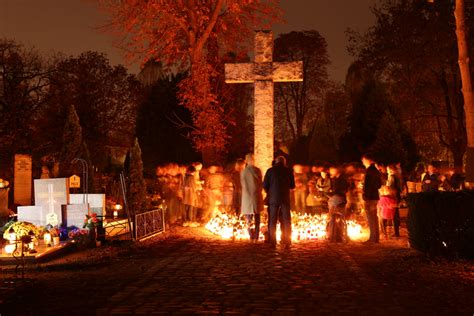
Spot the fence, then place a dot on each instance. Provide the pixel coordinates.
(149, 223)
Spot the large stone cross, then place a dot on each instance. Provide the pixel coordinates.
(263, 72)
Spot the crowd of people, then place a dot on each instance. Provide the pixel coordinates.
(194, 193)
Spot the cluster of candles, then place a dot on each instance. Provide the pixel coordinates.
(304, 227)
(13, 242)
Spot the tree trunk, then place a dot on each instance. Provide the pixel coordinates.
(463, 52)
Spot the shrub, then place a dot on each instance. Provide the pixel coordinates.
(442, 223)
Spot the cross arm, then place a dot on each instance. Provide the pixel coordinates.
(288, 71)
(251, 72)
(239, 73)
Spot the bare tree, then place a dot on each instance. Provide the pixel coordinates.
(298, 102)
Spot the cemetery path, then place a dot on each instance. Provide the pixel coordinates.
(192, 272)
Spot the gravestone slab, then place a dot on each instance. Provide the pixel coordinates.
(75, 214)
(96, 202)
(32, 214)
(22, 179)
(51, 194)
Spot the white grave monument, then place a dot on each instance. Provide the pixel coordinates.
(32, 214)
(75, 214)
(54, 205)
(51, 194)
(96, 202)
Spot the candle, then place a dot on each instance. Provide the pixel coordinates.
(115, 214)
(47, 238)
(9, 249)
(12, 237)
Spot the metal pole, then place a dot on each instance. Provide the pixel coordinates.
(125, 204)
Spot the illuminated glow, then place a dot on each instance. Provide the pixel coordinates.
(304, 227)
(10, 249)
(12, 237)
(47, 238)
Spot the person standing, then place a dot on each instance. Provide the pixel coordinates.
(372, 184)
(278, 183)
(336, 229)
(252, 196)
(236, 185)
(301, 184)
(431, 180)
(395, 183)
(190, 197)
(324, 189)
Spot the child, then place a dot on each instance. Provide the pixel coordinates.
(387, 206)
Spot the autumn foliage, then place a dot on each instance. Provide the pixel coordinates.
(177, 34)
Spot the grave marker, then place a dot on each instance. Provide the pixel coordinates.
(51, 194)
(74, 182)
(75, 214)
(96, 202)
(32, 214)
(22, 179)
(263, 72)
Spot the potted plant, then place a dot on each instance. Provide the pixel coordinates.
(54, 235)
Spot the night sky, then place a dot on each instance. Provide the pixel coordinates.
(69, 26)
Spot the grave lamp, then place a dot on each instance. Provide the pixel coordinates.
(11, 235)
(117, 208)
(31, 245)
(47, 239)
(10, 249)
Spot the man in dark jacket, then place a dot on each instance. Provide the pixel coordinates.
(372, 184)
(431, 180)
(278, 183)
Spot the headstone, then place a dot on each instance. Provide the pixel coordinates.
(32, 214)
(74, 182)
(263, 72)
(75, 214)
(96, 202)
(51, 194)
(22, 179)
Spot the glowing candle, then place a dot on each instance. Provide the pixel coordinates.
(9, 249)
(12, 237)
(47, 238)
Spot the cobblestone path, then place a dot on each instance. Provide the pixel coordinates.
(208, 276)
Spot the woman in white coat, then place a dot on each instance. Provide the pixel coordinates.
(252, 196)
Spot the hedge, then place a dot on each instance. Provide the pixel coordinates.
(442, 223)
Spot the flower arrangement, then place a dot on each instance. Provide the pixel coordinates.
(91, 221)
(78, 233)
(22, 229)
(54, 231)
(81, 237)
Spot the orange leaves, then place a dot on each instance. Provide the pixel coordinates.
(177, 33)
